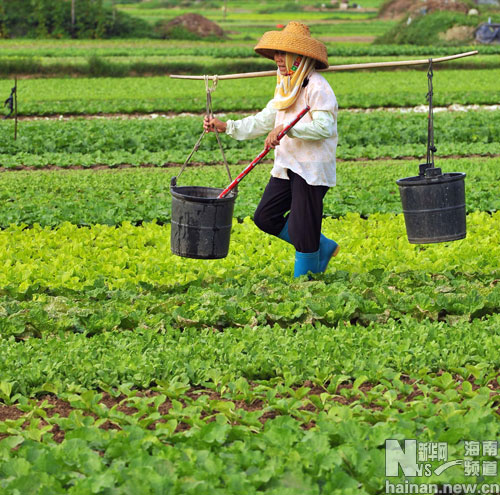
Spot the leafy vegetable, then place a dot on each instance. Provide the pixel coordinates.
(87, 197)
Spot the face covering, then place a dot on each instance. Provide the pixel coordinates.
(288, 87)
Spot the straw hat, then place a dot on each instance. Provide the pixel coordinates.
(295, 38)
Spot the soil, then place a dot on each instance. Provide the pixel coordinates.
(459, 33)
(9, 412)
(62, 408)
(172, 115)
(398, 9)
(168, 165)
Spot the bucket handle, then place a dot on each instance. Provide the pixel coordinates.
(210, 114)
(427, 169)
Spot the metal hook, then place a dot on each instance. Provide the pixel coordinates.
(215, 80)
(430, 74)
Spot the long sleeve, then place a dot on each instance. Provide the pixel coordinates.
(253, 126)
(321, 127)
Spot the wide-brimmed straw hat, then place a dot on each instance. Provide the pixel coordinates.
(295, 38)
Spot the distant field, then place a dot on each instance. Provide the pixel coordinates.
(249, 16)
(248, 20)
(223, 49)
(341, 24)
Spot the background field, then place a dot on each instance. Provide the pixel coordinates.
(126, 369)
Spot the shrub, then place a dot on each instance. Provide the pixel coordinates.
(425, 29)
(174, 32)
(52, 19)
(288, 7)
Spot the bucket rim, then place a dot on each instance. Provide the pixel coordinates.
(179, 192)
(429, 181)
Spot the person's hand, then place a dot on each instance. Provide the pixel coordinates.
(272, 139)
(210, 124)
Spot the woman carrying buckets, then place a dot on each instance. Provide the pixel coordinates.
(291, 207)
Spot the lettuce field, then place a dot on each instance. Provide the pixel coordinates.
(127, 370)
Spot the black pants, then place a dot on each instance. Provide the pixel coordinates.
(305, 204)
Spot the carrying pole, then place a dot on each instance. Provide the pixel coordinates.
(335, 68)
(262, 154)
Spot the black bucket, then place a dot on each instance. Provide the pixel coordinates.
(201, 223)
(434, 206)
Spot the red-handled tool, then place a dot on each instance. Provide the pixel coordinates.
(261, 155)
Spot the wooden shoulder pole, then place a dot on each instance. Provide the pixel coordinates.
(333, 68)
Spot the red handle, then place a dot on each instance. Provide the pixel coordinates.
(262, 154)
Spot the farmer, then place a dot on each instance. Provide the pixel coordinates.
(291, 207)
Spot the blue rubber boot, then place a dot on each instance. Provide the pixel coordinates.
(305, 263)
(327, 250)
(284, 234)
(327, 247)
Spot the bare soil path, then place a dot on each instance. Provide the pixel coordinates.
(171, 115)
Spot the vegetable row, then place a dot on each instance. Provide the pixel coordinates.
(93, 66)
(163, 140)
(188, 440)
(104, 278)
(87, 197)
(227, 49)
(155, 94)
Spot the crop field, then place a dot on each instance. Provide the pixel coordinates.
(125, 369)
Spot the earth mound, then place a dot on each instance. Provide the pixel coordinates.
(396, 9)
(192, 25)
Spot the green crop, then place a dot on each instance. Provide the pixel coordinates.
(84, 49)
(164, 140)
(118, 358)
(87, 197)
(155, 94)
(74, 258)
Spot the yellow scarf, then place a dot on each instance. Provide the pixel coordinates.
(288, 87)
